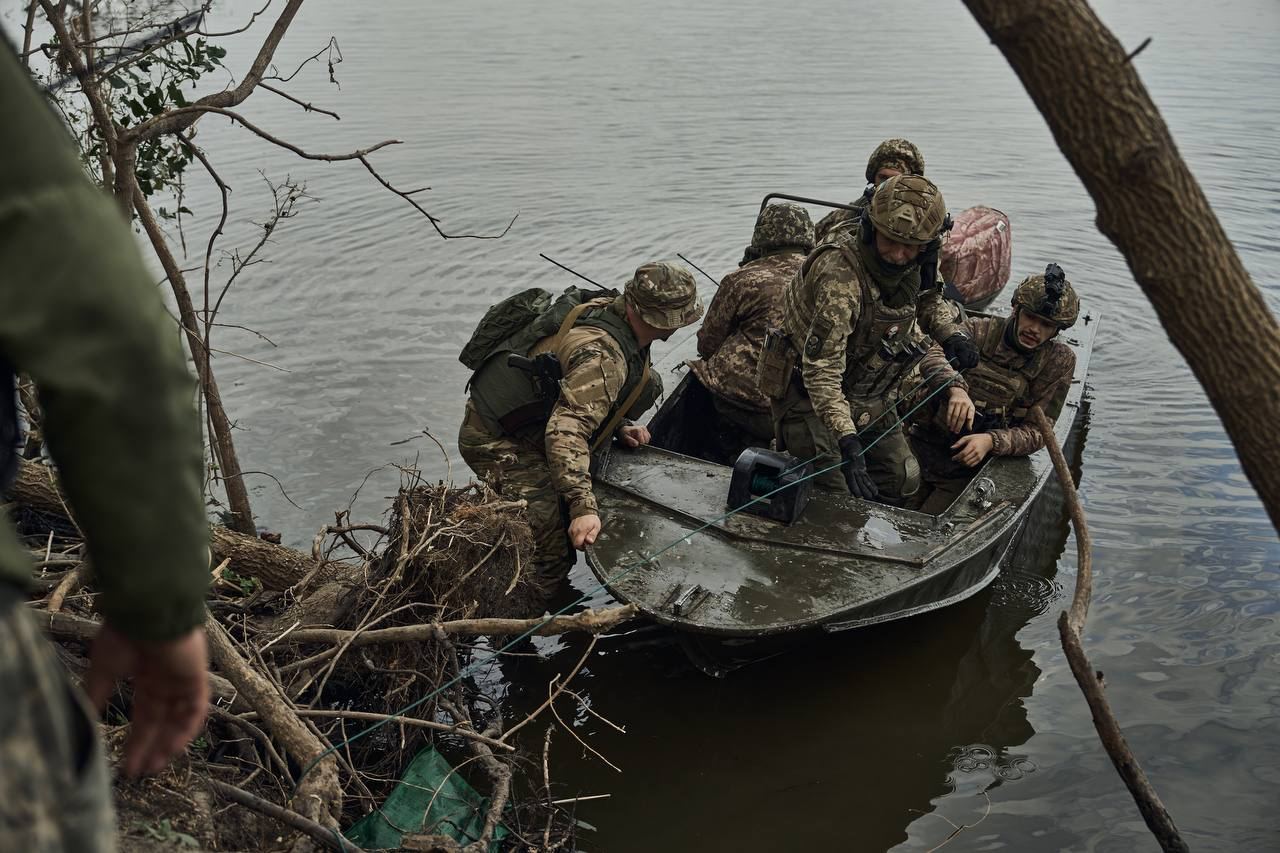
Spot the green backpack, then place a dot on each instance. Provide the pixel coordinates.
(501, 322)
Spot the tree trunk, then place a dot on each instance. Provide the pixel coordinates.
(1150, 206)
(318, 795)
(223, 443)
(276, 566)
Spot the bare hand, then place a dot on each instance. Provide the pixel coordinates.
(634, 435)
(170, 692)
(583, 531)
(972, 449)
(960, 410)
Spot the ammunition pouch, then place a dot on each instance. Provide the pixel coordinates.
(776, 365)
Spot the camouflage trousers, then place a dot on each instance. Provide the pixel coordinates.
(943, 477)
(519, 470)
(54, 791)
(890, 461)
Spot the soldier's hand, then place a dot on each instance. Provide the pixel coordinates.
(634, 435)
(583, 531)
(972, 449)
(961, 351)
(854, 468)
(960, 410)
(170, 692)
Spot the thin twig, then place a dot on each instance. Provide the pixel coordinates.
(311, 108)
(550, 699)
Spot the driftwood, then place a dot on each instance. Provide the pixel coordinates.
(1071, 627)
(331, 838)
(318, 795)
(593, 621)
(277, 566)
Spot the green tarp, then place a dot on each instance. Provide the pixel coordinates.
(430, 799)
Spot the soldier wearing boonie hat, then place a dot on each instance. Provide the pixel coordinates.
(664, 295)
(544, 458)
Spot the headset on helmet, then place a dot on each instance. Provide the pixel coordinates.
(1049, 296)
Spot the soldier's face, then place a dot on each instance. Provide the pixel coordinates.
(893, 252)
(885, 173)
(1034, 330)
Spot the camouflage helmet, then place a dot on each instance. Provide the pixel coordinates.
(908, 209)
(781, 225)
(664, 295)
(1049, 296)
(895, 154)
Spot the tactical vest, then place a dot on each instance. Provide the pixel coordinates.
(508, 398)
(998, 385)
(884, 344)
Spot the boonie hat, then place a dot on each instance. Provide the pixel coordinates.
(664, 295)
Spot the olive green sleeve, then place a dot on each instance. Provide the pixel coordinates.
(80, 314)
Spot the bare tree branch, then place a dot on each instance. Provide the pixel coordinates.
(1070, 628)
(175, 121)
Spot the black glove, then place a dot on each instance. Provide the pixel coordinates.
(855, 468)
(961, 351)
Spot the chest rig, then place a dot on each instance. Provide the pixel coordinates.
(999, 384)
(884, 345)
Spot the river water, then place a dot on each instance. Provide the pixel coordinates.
(621, 132)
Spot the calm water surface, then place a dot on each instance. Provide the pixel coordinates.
(622, 132)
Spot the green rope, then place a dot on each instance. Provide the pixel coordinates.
(603, 585)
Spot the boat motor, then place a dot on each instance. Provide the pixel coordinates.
(770, 484)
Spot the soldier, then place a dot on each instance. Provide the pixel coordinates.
(849, 336)
(1021, 366)
(80, 314)
(749, 303)
(891, 158)
(542, 453)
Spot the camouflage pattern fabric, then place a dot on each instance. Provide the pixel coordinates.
(550, 468)
(664, 295)
(747, 304)
(827, 297)
(518, 469)
(783, 226)
(890, 460)
(1048, 389)
(897, 154)
(1061, 308)
(54, 792)
(840, 221)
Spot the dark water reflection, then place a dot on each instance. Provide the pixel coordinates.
(626, 131)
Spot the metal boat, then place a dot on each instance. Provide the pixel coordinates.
(671, 546)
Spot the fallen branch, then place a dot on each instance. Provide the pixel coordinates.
(445, 728)
(1070, 627)
(593, 621)
(277, 566)
(331, 838)
(318, 794)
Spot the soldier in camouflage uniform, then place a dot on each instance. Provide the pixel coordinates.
(891, 158)
(80, 314)
(852, 330)
(1021, 366)
(604, 355)
(748, 304)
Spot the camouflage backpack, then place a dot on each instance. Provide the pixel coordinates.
(501, 322)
